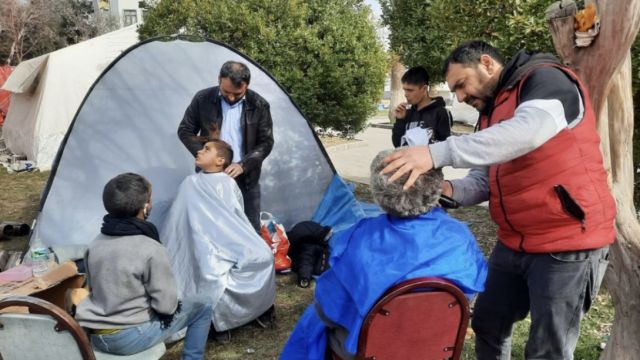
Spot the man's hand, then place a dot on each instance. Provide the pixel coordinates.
(401, 111)
(416, 159)
(234, 170)
(447, 188)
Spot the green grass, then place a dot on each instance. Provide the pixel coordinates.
(252, 342)
(19, 199)
(595, 326)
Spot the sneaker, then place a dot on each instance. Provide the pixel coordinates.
(221, 337)
(268, 319)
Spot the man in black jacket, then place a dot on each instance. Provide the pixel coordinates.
(422, 119)
(243, 119)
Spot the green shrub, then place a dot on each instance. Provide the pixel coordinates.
(324, 52)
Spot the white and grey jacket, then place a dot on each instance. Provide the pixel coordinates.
(549, 102)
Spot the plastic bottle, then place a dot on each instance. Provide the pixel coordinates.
(39, 261)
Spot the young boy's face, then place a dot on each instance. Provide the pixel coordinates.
(414, 93)
(207, 157)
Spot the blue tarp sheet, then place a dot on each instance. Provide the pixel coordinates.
(339, 207)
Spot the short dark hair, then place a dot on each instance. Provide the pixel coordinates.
(468, 54)
(125, 195)
(417, 75)
(235, 71)
(223, 149)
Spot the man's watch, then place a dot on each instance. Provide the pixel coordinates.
(448, 203)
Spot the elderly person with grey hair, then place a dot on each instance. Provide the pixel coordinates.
(414, 238)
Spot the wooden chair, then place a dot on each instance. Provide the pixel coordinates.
(424, 318)
(47, 332)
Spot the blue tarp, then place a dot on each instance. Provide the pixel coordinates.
(372, 256)
(339, 207)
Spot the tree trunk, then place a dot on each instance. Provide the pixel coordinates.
(605, 67)
(11, 52)
(397, 94)
(623, 275)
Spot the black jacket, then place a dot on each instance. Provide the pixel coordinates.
(257, 128)
(434, 116)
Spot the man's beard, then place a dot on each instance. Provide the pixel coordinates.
(485, 101)
(232, 102)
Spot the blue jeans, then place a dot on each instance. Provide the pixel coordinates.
(195, 315)
(557, 288)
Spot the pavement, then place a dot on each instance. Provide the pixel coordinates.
(352, 159)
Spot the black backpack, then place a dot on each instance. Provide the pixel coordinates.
(309, 250)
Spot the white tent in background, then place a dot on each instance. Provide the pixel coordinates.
(48, 90)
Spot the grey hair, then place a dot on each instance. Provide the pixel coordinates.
(235, 71)
(125, 195)
(417, 200)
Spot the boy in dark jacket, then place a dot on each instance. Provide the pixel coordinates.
(422, 119)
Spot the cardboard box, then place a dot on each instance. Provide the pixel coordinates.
(50, 287)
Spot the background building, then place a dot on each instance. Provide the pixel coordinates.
(128, 12)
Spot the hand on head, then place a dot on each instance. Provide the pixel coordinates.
(414, 159)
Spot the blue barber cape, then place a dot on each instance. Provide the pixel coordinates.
(372, 256)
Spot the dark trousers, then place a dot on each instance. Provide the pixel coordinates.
(251, 196)
(557, 288)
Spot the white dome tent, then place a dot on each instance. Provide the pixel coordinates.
(128, 123)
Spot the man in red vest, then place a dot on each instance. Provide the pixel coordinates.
(537, 159)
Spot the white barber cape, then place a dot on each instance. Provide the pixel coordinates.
(215, 252)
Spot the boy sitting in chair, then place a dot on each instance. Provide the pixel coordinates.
(413, 239)
(214, 250)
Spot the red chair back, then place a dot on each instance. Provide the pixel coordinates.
(424, 319)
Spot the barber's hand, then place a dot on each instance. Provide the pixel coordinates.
(401, 111)
(447, 188)
(414, 159)
(234, 170)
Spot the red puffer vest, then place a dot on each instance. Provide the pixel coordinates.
(555, 198)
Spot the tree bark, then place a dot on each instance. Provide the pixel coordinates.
(397, 95)
(596, 64)
(623, 276)
(605, 67)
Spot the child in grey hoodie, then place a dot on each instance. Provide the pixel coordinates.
(133, 303)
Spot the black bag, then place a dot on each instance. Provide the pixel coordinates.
(309, 251)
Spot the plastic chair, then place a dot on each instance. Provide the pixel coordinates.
(423, 318)
(48, 332)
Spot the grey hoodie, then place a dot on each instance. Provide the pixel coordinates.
(130, 279)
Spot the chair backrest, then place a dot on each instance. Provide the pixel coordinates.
(424, 318)
(46, 332)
